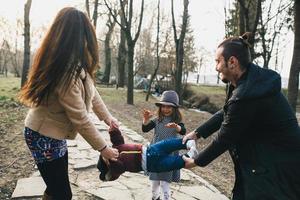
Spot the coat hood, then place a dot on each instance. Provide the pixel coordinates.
(257, 82)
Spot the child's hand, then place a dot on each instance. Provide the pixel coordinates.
(173, 125)
(147, 114)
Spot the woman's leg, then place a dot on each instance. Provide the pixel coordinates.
(165, 186)
(51, 157)
(55, 175)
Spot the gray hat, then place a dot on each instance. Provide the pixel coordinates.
(169, 98)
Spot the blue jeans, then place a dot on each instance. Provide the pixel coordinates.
(159, 158)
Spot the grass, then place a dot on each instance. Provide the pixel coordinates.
(208, 89)
(9, 87)
(120, 95)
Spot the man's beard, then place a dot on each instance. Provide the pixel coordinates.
(224, 80)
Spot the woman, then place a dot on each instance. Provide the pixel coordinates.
(60, 92)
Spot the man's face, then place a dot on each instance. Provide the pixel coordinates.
(222, 66)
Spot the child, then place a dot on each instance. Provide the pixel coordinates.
(138, 157)
(167, 124)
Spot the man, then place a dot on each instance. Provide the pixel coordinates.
(256, 125)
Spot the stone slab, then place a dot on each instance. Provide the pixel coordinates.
(24, 188)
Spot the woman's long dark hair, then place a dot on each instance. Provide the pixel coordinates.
(69, 47)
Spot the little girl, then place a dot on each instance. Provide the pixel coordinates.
(167, 124)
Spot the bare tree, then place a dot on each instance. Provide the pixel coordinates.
(266, 19)
(122, 54)
(179, 46)
(131, 41)
(270, 28)
(87, 7)
(4, 57)
(293, 84)
(95, 13)
(157, 52)
(16, 57)
(110, 24)
(249, 14)
(26, 61)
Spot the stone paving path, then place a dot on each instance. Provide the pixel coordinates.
(130, 186)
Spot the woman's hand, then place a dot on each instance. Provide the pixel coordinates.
(110, 153)
(112, 123)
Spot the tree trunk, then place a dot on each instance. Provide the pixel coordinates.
(130, 40)
(250, 12)
(87, 7)
(157, 52)
(26, 61)
(179, 47)
(122, 54)
(95, 14)
(130, 57)
(295, 66)
(107, 70)
(242, 12)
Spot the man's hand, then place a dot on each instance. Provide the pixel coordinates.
(189, 162)
(190, 136)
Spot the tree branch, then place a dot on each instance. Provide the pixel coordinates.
(173, 21)
(140, 23)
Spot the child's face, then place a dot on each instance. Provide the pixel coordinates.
(166, 110)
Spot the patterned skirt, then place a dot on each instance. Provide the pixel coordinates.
(44, 148)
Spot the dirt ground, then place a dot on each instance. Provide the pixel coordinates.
(16, 161)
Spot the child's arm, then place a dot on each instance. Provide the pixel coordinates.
(182, 130)
(148, 127)
(147, 123)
